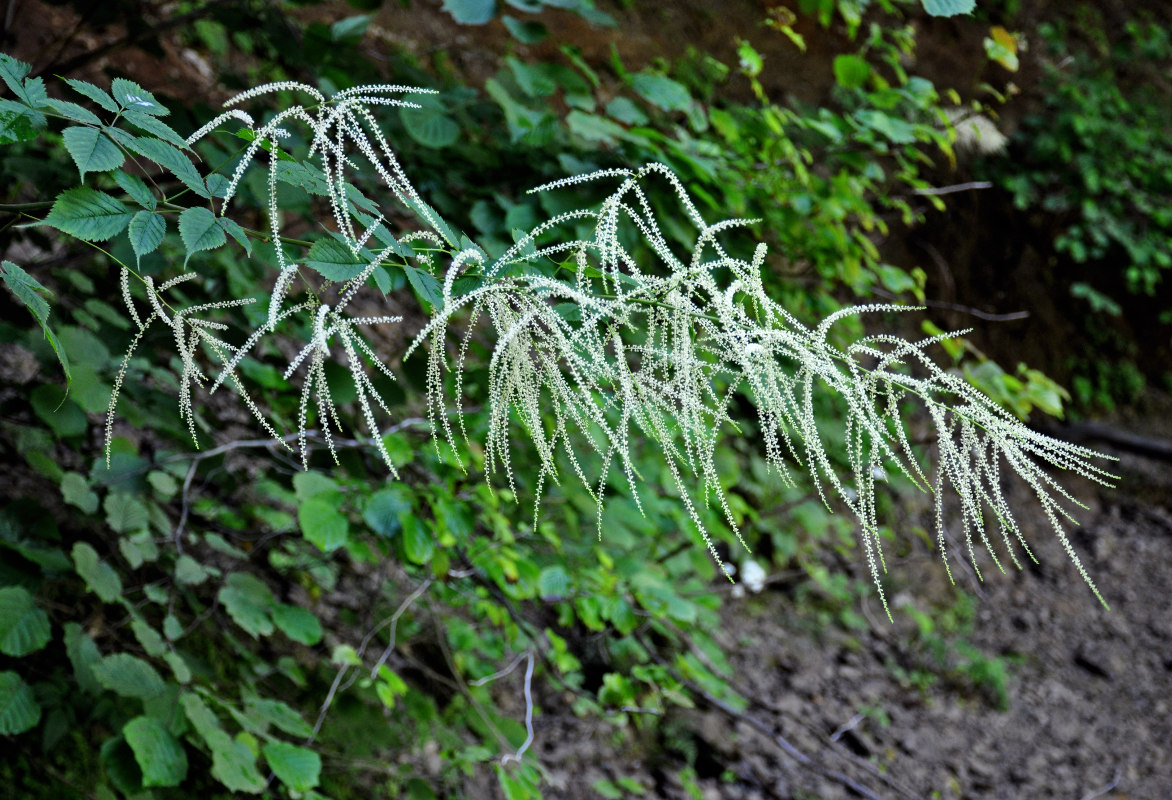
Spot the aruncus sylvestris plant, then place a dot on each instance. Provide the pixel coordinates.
(608, 341)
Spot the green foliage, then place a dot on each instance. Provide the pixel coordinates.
(1096, 158)
(236, 625)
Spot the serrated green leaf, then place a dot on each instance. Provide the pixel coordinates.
(297, 623)
(279, 715)
(470, 12)
(384, 508)
(199, 231)
(168, 157)
(594, 128)
(322, 525)
(125, 513)
(554, 582)
(19, 710)
(299, 768)
(18, 122)
(234, 765)
(333, 260)
(948, 8)
(146, 231)
(134, 98)
(76, 491)
(13, 71)
(88, 214)
(427, 289)
(99, 576)
(28, 290)
(24, 628)
(150, 639)
(429, 127)
(156, 127)
(91, 150)
(135, 187)
(661, 91)
(159, 755)
(248, 601)
(236, 232)
(73, 111)
(83, 654)
(99, 96)
(128, 676)
(190, 572)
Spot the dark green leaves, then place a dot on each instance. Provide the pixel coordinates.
(19, 710)
(99, 576)
(24, 628)
(430, 127)
(661, 91)
(247, 600)
(128, 676)
(29, 290)
(159, 755)
(88, 214)
(147, 229)
(18, 122)
(199, 230)
(92, 150)
(297, 767)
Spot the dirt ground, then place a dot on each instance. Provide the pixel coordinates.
(837, 711)
(1088, 694)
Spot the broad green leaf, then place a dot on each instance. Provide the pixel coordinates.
(24, 628)
(384, 508)
(233, 229)
(248, 601)
(150, 639)
(99, 576)
(63, 416)
(201, 717)
(554, 582)
(83, 654)
(418, 545)
(190, 572)
(91, 150)
(159, 755)
(350, 30)
(897, 130)
(279, 715)
(126, 513)
(594, 128)
(234, 765)
(18, 122)
(76, 491)
(299, 768)
(526, 32)
(470, 12)
(19, 710)
(427, 289)
(333, 260)
(169, 157)
(73, 111)
(851, 71)
(661, 91)
(178, 666)
(134, 98)
(948, 8)
(429, 127)
(535, 80)
(13, 71)
(99, 96)
(128, 676)
(297, 623)
(29, 290)
(135, 187)
(199, 231)
(322, 524)
(155, 126)
(88, 214)
(147, 229)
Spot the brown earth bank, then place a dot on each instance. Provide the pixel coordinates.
(846, 704)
